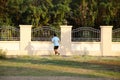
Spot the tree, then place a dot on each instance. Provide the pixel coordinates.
(42, 11)
(105, 9)
(4, 16)
(78, 13)
(116, 20)
(59, 11)
(92, 12)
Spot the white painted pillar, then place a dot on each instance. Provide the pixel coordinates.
(25, 36)
(106, 40)
(65, 40)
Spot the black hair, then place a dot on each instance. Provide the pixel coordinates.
(55, 34)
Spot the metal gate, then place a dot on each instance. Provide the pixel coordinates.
(44, 33)
(116, 35)
(9, 33)
(85, 34)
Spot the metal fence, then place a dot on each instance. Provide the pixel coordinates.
(9, 33)
(44, 33)
(116, 35)
(85, 34)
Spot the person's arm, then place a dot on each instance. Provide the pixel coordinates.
(58, 39)
(52, 39)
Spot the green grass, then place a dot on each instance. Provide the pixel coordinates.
(104, 67)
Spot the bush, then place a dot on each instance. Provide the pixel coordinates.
(2, 54)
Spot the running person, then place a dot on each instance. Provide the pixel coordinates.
(55, 41)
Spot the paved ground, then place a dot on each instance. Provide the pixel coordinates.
(48, 78)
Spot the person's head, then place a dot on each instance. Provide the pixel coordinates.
(55, 34)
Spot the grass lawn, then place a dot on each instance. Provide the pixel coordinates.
(76, 66)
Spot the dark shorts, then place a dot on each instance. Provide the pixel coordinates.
(56, 47)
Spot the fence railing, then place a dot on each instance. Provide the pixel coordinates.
(85, 34)
(8, 33)
(116, 35)
(44, 33)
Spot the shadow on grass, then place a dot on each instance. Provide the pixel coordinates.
(23, 71)
(69, 63)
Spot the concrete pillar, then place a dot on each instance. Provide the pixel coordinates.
(25, 36)
(106, 40)
(66, 40)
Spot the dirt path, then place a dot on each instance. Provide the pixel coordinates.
(48, 78)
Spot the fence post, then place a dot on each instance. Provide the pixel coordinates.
(25, 36)
(66, 40)
(106, 40)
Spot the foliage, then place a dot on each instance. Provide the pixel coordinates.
(94, 12)
(106, 12)
(4, 16)
(53, 12)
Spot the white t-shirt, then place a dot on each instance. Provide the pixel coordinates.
(55, 41)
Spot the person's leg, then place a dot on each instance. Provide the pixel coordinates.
(56, 50)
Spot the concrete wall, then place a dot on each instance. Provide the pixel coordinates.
(27, 47)
(46, 48)
(115, 49)
(86, 48)
(32, 48)
(10, 45)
